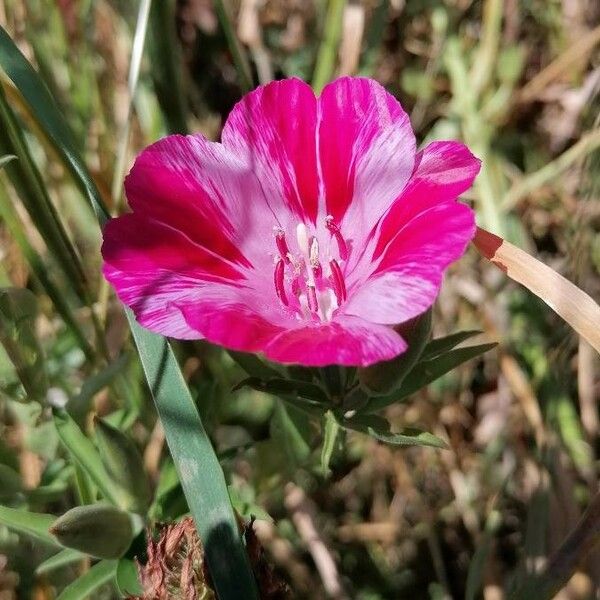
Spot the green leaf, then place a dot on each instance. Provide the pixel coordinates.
(33, 524)
(61, 559)
(443, 344)
(127, 578)
(425, 372)
(331, 429)
(385, 377)
(288, 387)
(165, 57)
(90, 581)
(124, 465)
(86, 456)
(49, 116)
(4, 160)
(253, 365)
(10, 483)
(480, 557)
(199, 471)
(18, 311)
(290, 429)
(379, 428)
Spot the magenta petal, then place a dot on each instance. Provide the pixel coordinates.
(347, 341)
(230, 323)
(407, 280)
(273, 129)
(444, 170)
(366, 150)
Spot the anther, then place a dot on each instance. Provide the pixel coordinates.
(314, 258)
(337, 234)
(313, 303)
(337, 282)
(282, 246)
(279, 281)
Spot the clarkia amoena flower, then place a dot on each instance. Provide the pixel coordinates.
(306, 234)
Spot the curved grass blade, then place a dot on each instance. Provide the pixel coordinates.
(91, 580)
(576, 307)
(44, 109)
(59, 560)
(14, 225)
(4, 160)
(86, 456)
(33, 524)
(27, 181)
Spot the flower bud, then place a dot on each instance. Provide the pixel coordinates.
(385, 377)
(100, 530)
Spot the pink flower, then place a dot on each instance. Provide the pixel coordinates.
(311, 229)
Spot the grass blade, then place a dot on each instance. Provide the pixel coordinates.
(33, 524)
(90, 581)
(199, 471)
(325, 64)
(85, 455)
(571, 303)
(61, 559)
(44, 109)
(166, 66)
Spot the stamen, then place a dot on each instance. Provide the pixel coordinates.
(282, 246)
(302, 237)
(279, 282)
(337, 234)
(313, 303)
(314, 258)
(337, 281)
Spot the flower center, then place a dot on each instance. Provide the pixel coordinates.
(311, 282)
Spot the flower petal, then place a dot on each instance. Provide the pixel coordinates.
(152, 265)
(366, 152)
(348, 341)
(444, 170)
(273, 129)
(201, 189)
(409, 274)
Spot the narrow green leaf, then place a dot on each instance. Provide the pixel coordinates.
(27, 181)
(45, 110)
(40, 272)
(426, 372)
(378, 428)
(125, 466)
(331, 429)
(90, 581)
(18, 311)
(33, 524)
(385, 377)
(237, 51)
(4, 160)
(278, 386)
(443, 344)
(63, 558)
(10, 483)
(291, 430)
(328, 49)
(253, 365)
(199, 471)
(85, 455)
(163, 47)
